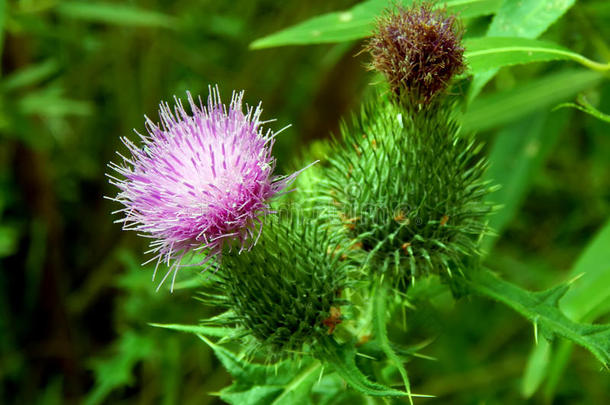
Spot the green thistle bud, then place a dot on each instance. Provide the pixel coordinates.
(418, 50)
(410, 191)
(285, 292)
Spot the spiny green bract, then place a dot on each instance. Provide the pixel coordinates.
(285, 292)
(409, 189)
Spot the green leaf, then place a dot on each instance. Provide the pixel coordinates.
(536, 368)
(586, 300)
(30, 75)
(339, 26)
(297, 391)
(242, 371)
(541, 308)
(9, 238)
(585, 106)
(281, 384)
(490, 53)
(559, 361)
(505, 106)
(525, 19)
(343, 360)
(114, 13)
(472, 8)
(518, 152)
(256, 395)
(380, 320)
(590, 291)
(197, 329)
(50, 102)
(358, 22)
(116, 371)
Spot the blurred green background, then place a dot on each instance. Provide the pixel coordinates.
(74, 301)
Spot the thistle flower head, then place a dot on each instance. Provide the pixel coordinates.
(411, 191)
(285, 293)
(418, 50)
(199, 180)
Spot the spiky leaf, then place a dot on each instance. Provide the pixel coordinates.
(380, 321)
(586, 300)
(343, 360)
(284, 383)
(541, 308)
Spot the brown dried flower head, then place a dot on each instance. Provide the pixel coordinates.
(418, 49)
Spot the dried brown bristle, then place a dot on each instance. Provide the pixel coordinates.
(418, 49)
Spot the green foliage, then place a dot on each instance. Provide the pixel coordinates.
(113, 13)
(342, 358)
(510, 39)
(536, 368)
(354, 23)
(279, 384)
(358, 21)
(586, 300)
(502, 107)
(30, 75)
(542, 309)
(121, 365)
(116, 371)
(526, 19)
(518, 152)
(589, 296)
(197, 329)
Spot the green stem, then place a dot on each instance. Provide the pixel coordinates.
(591, 64)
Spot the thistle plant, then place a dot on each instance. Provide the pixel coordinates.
(311, 282)
(199, 181)
(422, 211)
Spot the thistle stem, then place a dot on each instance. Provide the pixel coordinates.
(380, 296)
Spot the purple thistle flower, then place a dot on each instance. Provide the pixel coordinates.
(200, 181)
